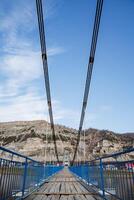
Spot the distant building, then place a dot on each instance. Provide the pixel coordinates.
(66, 158)
(130, 165)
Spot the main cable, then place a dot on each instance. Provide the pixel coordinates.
(89, 71)
(45, 69)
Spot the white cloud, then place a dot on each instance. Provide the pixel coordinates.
(16, 24)
(33, 107)
(19, 72)
(55, 51)
(106, 108)
(27, 67)
(21, 69)
(24, 107)
(21, 66)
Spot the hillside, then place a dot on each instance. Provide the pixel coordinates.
(34, 139)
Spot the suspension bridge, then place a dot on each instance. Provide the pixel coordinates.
(109, 177)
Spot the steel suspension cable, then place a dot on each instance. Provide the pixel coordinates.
(45, 69)
(89, 71)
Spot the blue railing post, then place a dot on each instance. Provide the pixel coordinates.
(38, 175)
(102, 178)
(24, 177)
(88, 174)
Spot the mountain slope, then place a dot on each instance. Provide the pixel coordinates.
(34, 139)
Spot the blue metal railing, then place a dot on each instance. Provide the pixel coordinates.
(20, 175)
(112, 175)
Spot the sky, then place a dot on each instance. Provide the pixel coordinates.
(68, 27)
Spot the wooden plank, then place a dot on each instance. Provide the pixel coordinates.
(48, 189)
(62, 188)
(57, 188)
(55, 197)
(89, 197)
(44, 197)
(80, 197)
(52, 187)
(68, 187)
(44, 187)
(77, 188)
(73, 189)
(71, 197)
(49, 197)
(63, 197)
(63, 193)
(81, 187)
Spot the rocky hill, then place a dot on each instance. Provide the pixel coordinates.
(34, 139)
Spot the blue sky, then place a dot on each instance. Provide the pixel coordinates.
(68, 27)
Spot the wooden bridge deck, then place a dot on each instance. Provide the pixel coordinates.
(63, 186)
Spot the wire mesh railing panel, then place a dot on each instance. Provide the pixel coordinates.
(112, 175)
(20, 178)
(11, 178)
(119, 179)
(94, 175)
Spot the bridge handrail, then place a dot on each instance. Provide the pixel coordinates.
(17, 154)
(19, 178)
(110, 177)
(114, 154)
